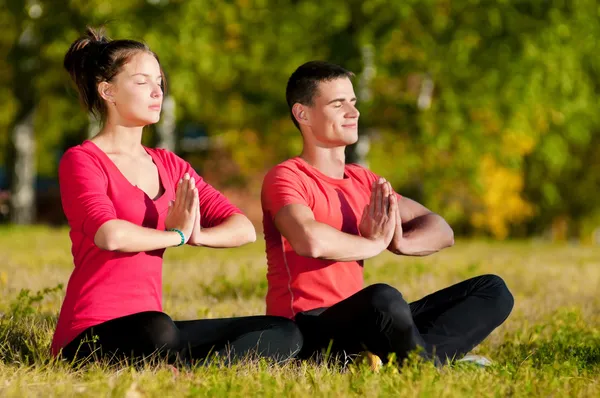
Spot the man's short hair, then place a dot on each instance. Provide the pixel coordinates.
(303, 84)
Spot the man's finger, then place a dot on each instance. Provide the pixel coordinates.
(372, 202)
(394, 207)
(386, 198)
(365, 212)
(379, 197)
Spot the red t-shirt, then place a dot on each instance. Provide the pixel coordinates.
(105, 285)
(297, 283)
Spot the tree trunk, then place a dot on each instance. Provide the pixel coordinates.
(23, 184)
(357, 153)
(166, 127)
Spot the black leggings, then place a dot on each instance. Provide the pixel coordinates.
(155, 334)
(446, 324)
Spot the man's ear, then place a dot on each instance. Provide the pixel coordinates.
(301, 114)
(106, 91)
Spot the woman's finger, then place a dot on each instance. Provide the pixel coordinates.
(177, 200)
(190, 195)
(184, 190)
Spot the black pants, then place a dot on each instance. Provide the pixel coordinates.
(446, 324)
(155, 334)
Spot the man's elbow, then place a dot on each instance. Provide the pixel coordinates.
(450, 237)
(447, 238)
(307, 246)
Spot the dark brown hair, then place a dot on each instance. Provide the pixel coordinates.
(94, 58)
(303, 84)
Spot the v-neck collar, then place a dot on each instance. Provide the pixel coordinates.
(162, 174)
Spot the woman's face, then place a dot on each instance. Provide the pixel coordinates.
(136, 92)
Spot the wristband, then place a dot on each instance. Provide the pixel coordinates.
(180, 234)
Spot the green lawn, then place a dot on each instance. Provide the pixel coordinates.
(549, 346)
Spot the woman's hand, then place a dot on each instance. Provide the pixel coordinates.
(184, 210)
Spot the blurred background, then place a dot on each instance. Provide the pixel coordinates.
(485, 111)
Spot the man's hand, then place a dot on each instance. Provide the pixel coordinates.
(379, 217)
(398, 238)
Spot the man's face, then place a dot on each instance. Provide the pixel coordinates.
(333, 117)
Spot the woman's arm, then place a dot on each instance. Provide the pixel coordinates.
(236, 230)
(124, 236)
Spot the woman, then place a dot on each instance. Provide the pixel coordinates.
(126, 204)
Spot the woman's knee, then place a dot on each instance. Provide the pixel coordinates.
(161, 333)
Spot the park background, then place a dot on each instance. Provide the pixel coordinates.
(485, 111)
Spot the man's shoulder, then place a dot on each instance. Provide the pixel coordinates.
(360, 173)
(286, 168)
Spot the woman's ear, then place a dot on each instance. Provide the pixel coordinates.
(105, 90)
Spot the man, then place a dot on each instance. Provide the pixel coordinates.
(323, 218)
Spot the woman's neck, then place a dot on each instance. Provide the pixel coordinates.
(120, 139)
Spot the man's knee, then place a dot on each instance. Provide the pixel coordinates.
(290, 332)
(497, 290)
(388, 301)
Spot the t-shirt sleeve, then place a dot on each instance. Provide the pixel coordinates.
(282, 187)
(214, 206)
(83, 187)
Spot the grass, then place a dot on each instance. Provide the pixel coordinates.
(549, 346)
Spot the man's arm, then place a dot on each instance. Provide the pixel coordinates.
(311, 238)
(419, 231)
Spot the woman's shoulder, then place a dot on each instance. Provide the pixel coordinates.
(80, 154)
(167, 156)
(173, 164)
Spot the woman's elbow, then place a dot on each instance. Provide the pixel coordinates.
(250, 236)
(108, 238)
(247, 233)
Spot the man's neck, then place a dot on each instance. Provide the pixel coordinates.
(329, 161)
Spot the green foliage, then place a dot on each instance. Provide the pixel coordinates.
(24, 330)
(508, 144)
(25, 303)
